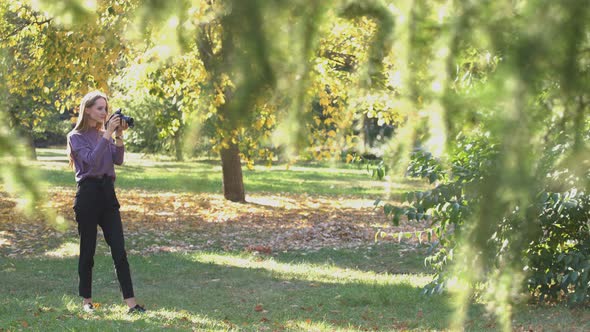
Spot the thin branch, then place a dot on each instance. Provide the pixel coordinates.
(20, 28)
(343, 59)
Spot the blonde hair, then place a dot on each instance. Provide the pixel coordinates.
(82, 123)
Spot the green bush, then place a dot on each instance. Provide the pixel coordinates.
(557, 261)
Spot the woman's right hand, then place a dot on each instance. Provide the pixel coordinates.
(113, 122)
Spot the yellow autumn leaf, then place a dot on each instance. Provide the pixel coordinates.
(250, 164)
(270, 121)
(349, 158)
(258, 124)
(219, 99)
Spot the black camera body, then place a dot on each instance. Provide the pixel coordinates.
(127, 119)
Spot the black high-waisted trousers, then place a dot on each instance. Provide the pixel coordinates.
(96, 205)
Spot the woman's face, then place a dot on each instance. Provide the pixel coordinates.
(98, 111)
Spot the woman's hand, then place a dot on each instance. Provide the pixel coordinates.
(113, 123)
(122, 127)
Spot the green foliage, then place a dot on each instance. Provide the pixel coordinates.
(558, 257)
(500, 70)
(451, 202)
(377, 168)
(424, 165)
(145, 135)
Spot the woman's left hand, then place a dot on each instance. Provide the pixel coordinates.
(121, 127)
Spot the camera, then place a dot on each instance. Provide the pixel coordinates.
(125, 118)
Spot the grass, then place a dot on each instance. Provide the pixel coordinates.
(232, 291)
(141, 172)
(218, 291)
(373, 287)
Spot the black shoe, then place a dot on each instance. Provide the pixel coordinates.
(89, 308)
(136, 310)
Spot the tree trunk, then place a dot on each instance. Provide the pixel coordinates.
(178, 147)
(31, 144)
(233, 182)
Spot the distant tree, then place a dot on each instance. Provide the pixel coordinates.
(49, 66)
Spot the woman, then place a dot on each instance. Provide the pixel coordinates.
(93, 153)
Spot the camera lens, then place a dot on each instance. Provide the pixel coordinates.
(129, 121)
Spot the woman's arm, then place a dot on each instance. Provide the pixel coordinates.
(118, 151)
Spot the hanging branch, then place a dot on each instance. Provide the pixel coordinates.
(383, 41)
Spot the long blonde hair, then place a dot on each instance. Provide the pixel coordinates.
(82, 123)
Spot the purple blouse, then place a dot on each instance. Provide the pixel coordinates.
(94, 155)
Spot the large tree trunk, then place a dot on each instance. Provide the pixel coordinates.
(214, 61)
(233, 183)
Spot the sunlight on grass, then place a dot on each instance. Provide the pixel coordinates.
(188, 317)
(313, 272)
(333, 169)
(290, 203)
(67, 249)
(3, 240)
(394, 187)
(102, 312)
(309, 325)
(168, 317)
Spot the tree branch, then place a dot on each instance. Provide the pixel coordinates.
(205, 47)
(20, 28)
(347, 61)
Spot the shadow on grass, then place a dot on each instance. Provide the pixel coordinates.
(136, 178)
(183, 290)
(205, 181)
(172, 183)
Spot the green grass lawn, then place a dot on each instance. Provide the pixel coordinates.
(375, 287)
(144, 172)
(220, 291)
(225, 291)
